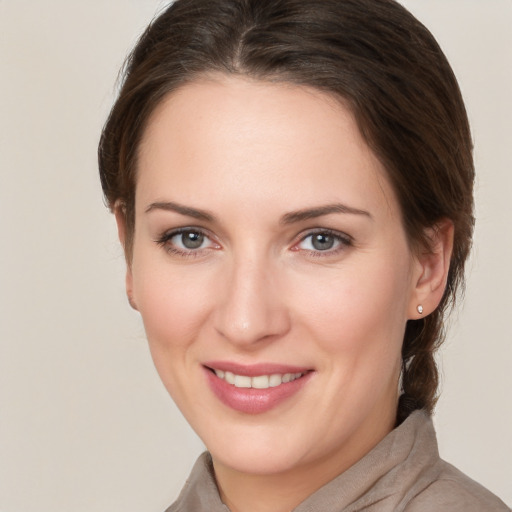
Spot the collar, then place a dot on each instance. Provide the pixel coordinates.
(403, 464)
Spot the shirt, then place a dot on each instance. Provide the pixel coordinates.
(403, 473)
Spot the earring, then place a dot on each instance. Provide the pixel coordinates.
(420, 309)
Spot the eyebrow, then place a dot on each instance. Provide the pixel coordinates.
(181, 209)
(319, 211)
(288, 218)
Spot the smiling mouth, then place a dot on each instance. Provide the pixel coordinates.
(259, 381)
(255, 389)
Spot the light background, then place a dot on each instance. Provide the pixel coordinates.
(85, 424)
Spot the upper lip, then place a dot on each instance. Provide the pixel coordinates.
(253, 370)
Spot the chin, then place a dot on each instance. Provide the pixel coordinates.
(257, 459)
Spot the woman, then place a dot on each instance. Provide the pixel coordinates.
(292, 183)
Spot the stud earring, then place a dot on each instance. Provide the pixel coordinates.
(420, 309)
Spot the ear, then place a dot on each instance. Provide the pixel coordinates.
(120, 215)
(431, 270)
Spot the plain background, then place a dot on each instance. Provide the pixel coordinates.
(85, 424)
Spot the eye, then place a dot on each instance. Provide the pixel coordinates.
(324, 241)
(186, 241)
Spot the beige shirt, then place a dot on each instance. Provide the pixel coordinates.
(402, 473)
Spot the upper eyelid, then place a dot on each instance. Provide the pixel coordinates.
(315, 231)
(169, 233)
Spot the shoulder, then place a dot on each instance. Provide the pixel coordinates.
(453, 491)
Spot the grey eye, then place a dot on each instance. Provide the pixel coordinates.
(191, 239)
(322, 241)
(187, 242)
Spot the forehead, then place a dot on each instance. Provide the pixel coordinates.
(266, 140)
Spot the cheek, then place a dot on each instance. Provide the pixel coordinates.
(358, 309)
(173, 303)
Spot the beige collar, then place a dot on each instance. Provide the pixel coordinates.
(403, 464)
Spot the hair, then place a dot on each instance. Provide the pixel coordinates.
(372, 55)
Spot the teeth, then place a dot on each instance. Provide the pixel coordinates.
(242, 381)
(258, 382)
(275, 380)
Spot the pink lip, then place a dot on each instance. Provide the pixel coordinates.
(253, 370)
(251, 400)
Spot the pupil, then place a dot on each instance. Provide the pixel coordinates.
(192, 240)
(323, 242)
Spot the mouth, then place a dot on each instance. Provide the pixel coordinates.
(255, 389)
(259, 381)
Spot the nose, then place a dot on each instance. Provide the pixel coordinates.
(252, 307)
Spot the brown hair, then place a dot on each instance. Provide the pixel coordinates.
(372, 54)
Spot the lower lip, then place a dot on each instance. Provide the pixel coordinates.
(252, 400)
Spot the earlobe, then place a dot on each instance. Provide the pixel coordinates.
(432, 266)
(120, 215)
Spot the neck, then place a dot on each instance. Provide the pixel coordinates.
(260, 493)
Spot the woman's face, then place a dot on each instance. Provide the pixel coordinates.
(269, 252)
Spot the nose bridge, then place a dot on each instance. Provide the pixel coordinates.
(252, 307)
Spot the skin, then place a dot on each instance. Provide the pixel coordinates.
(257, 290)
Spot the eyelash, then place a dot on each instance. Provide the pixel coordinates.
(343, 242)
(184, 253)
